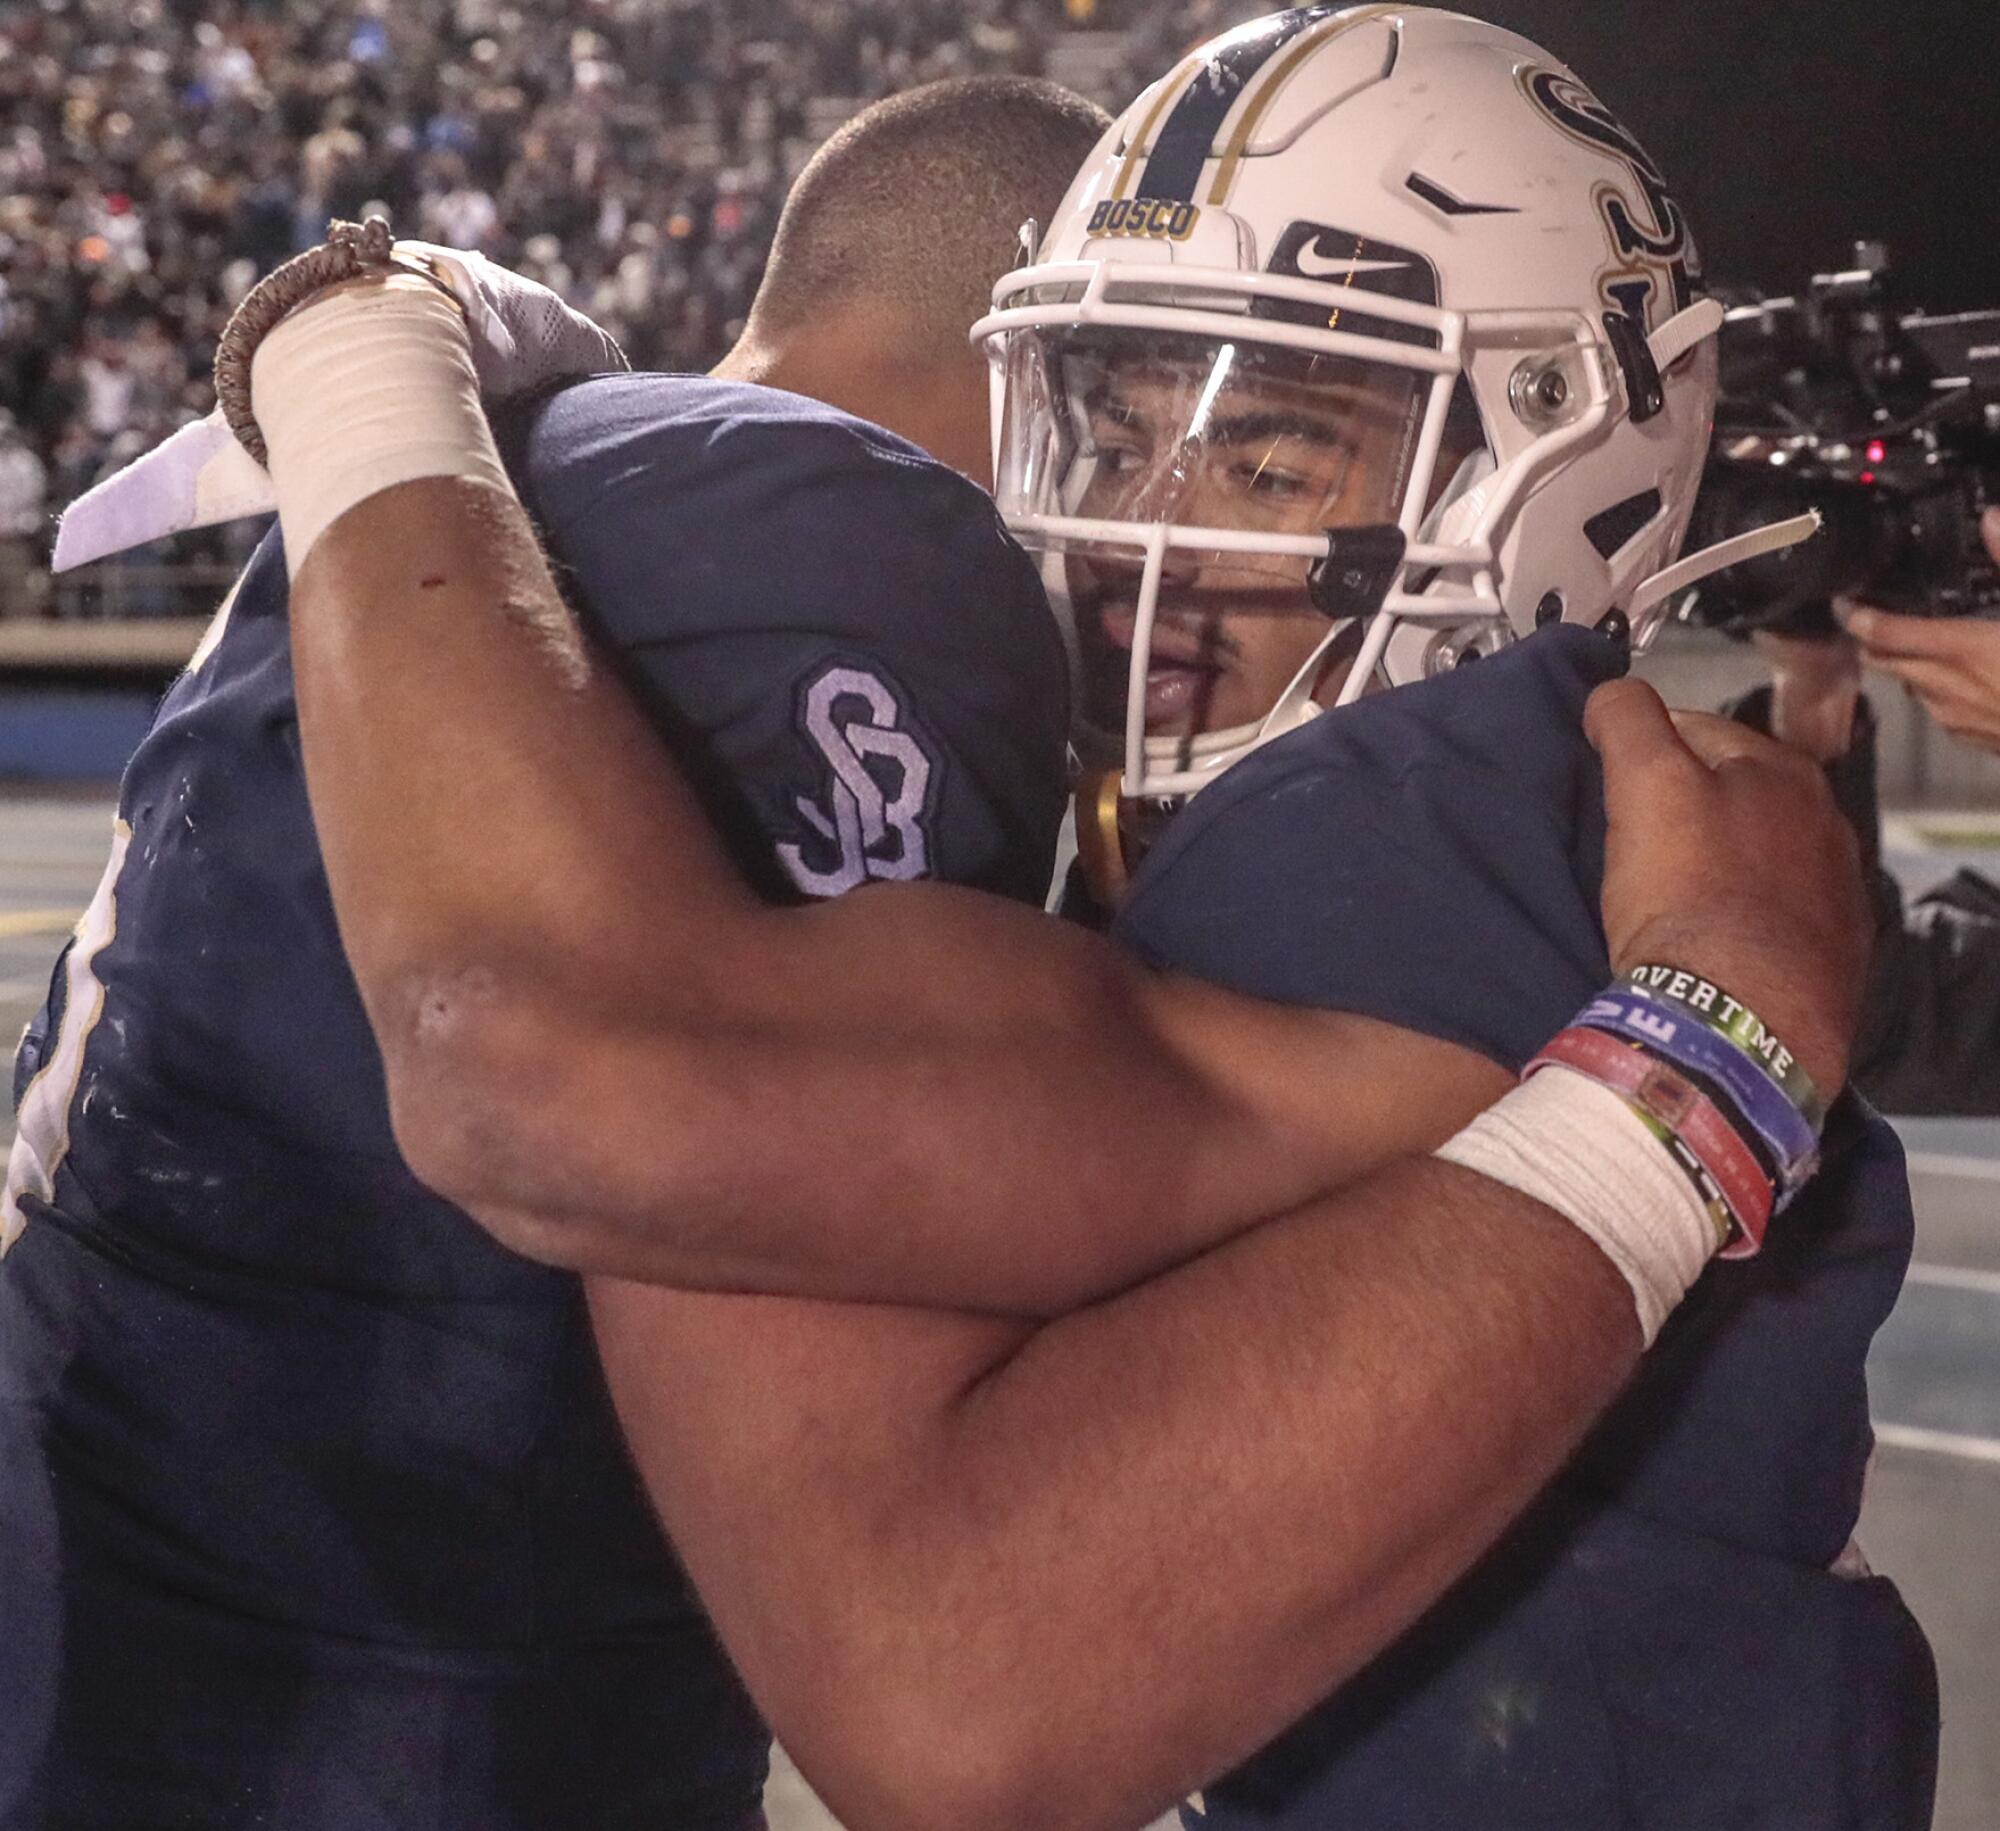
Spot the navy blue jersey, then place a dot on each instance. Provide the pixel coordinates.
(313, 1512)
(1661, 1642)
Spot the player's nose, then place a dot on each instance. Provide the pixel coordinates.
(1116, 579)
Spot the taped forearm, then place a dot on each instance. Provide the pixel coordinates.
(368, 387)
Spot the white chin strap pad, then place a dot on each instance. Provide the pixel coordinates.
(1684, 330)
(1773, 538)
(1456, 511)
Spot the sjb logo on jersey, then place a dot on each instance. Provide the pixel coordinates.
(869, 820)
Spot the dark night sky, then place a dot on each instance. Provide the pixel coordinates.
(1791, 127)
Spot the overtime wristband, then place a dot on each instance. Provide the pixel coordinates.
(1707, 1001)
(1676, 1105)
(1680, 1038)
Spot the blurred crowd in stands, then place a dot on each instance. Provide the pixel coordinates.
(156, 156)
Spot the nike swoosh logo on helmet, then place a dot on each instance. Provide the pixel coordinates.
(1313, 266)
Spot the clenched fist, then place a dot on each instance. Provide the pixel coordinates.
(1727, 856)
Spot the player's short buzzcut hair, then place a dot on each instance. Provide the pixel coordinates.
(917, 204)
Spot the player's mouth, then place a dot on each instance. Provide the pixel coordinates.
(1183, 668)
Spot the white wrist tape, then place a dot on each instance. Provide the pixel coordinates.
(367, 389)
(1576, 1147)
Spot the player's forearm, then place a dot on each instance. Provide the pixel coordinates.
(1093, 1130)
(602, 1045)
(476, 776)
(1006, 1165)
(1103, 1565)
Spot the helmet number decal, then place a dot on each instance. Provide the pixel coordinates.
(1650, 243)
(868, 822)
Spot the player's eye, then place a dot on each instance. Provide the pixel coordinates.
(1292, 471)
(1270, 482)
(1120, 449)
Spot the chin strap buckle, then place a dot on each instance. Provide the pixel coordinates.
(1642, 360)
(1360, 566)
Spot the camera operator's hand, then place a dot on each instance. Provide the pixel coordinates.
(1726, 855)
(1952, 664)
(1815, 690)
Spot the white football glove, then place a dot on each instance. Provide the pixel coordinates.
(523, 335)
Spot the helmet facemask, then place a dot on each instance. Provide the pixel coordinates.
(1154, 436)
(1230, 485)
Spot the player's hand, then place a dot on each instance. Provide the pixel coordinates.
(1726, 855)
(523, 335)
(1952, 664)
(1815, 691)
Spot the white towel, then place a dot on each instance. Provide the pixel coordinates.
(196, 478)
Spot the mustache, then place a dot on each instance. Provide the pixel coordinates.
(1186, 605)
(1194, 638)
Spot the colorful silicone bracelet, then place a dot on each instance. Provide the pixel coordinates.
(1657, 1092)
(1726, 1016)
(1705, 1186)
(1674, 1036)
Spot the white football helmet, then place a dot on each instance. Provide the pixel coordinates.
(1376, 313)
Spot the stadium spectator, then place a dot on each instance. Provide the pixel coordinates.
(23, 503)
(159, 154)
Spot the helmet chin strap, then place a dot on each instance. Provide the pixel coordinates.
(1699, 322)
(1698, 566)
(1668, 345)
(1299, 701)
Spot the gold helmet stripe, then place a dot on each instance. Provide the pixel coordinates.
(1259, 103)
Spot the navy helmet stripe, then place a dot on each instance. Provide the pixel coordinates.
(1188, 137)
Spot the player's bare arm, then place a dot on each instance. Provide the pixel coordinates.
(966, 1572)
(619, 1058)
(703, 1101)
(1376, 1313)
(900, 1429)
(610, 1026)
(1300, 1438)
